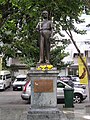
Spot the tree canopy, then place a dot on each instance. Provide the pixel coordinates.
(18, 20)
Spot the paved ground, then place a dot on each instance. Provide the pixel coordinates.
(13, 113)
(12, 107)
(79, 112)
(19, 112)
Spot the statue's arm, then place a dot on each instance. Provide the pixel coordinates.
(38, 27)
(52, 28)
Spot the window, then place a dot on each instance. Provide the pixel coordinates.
(21, 79)
(86, 53)
(60, 85)
(75, 55)
(4, 77)
(0, 77)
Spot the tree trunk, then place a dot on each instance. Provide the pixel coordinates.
(70, 35)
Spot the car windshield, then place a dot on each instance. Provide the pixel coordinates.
(21, 79)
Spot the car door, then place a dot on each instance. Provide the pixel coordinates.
(60, 90)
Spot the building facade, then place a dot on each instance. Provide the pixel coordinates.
(84, 47)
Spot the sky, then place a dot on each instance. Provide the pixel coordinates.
(82, 26)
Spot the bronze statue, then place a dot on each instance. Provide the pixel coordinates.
(45, 28)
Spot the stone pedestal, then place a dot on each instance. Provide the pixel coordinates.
(43, 95)
(44, 114)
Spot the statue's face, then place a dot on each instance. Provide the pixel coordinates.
(45, 14)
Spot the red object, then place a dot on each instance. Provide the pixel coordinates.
(24, 89)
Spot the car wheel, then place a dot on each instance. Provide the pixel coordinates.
(4, 87)
(13, 89)
(77, 98)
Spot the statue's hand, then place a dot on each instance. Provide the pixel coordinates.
(51, 37)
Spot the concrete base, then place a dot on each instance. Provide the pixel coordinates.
(43, 95)
(44, 114)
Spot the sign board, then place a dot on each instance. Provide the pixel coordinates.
(43, 86)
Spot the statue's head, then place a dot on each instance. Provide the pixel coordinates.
(45, 14)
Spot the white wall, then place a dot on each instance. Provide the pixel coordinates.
(63, 72)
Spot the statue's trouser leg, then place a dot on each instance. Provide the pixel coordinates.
(47, 49)
(41, 49)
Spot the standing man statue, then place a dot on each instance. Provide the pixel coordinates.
(45, 28)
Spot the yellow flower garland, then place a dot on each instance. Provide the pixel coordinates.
(45, 67)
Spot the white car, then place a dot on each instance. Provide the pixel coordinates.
(19, 82)
(5, 79)
(79, 93)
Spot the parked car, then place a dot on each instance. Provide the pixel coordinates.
(19, 82)
(73, 80)
(63, 77)
(79, 93)
(26, 93)
(5, 79)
